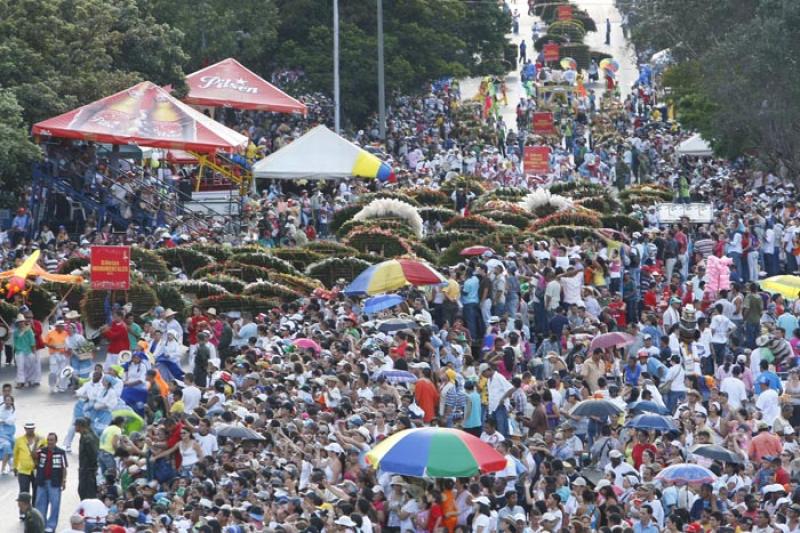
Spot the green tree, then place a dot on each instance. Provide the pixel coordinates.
(59, 54)
(214, 30)
(17, 152)
(424, 40)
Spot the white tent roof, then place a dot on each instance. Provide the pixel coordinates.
(319, 154)
(695, 146)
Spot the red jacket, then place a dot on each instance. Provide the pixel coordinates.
(117, 336)
(36, 326)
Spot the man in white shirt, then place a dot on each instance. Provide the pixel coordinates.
(618, 467)
(206, 439)
(499, 390)
(243, 332)
(721, 328)
(768, 402)
(571, 283)
(672, 315)
(191, 394)
(735, 388)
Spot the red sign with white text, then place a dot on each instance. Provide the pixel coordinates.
(537, 160)
(543, 123)
(551, 51)
(564, 12)
(111, 268)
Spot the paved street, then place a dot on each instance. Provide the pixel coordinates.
(599, 11)
(50, 412)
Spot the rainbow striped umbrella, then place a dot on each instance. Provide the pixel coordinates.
(609, 64)
(567, 63)
(392, 275)
(435, 452)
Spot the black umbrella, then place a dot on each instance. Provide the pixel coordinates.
(646, 406)
(598, 408)
(717, 453)
(239, 432)
(397, 324)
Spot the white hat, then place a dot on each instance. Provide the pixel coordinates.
(398, 480)
(125, 356)
(334, 447)
(211, 311)
(481, 499)
(549, 517)
(602, 484)
(616, 454)
(345, 521)
(169, 312)
(20, 318)
(788, 430)
(579, 482)
(419, 365)
(494, 320)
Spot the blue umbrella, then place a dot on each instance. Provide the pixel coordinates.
(646, 406)
(686, 473)
(651, 421)
(379, 303)
(395, 376)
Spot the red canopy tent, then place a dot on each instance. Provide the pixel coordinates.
(146, 115)
(229, 84)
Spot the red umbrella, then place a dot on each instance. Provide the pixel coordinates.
(610, 340)
(307, 343)
(471, 251)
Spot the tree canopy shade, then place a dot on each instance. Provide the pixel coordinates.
(16, 150)
(59, 54)
(736, 80)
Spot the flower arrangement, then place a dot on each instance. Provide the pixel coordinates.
(397, 227)
(219, 253)
(452, 254)
(366, 199)
(572, 217)
(198, 288)
(568, 232)
(429, 197)
(542, 203)
(390, 208)
(433, 214)
(508, 218)
(72, 293)
(299, 258)
(501, 205)
(473, 185)
(440, 241)
(185, 258)
(301, 284)
(8, 311)
(329, 270)
(150, 264)
(264, 260)
(73, 263)
(423, 252)
(169, 297)
(341, 216)
(330, 248)
(647, 189)
(242, 271)
(621, 222)
(234, 302)
(268, 289)
(93, 306)
(471, 223)
(375, 240)
(231, 284)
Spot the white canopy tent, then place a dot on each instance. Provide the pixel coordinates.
(695, 146)
(320, 154)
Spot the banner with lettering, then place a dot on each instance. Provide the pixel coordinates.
(551, 52)
(536, 160)
(543, 123)
(111, 268)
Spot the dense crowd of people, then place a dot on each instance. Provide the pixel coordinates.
(223, 422)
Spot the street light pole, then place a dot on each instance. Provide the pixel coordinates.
(336, 114)
(381, 79)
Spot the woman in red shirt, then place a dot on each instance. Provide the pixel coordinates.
(642, 443)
